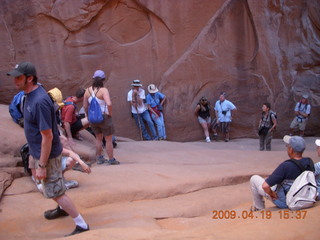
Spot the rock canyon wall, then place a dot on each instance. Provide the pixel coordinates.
(256, 51)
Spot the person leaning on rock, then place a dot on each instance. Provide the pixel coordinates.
(223, 110)
(155, 101)
(41, 130)
(202, 112)
(136, 96)
(278, 183)
(302, 111)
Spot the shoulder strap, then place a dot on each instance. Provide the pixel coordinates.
(298, 163)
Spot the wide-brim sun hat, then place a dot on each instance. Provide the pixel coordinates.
(136, 83)
(152, 88)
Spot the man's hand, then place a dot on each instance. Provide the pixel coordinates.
(41, 173)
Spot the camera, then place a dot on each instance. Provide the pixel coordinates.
(224, 112)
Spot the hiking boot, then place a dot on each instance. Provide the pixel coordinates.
(113, 161)
(71, 184)
(55, 213)
(101, 160)
(78, 230)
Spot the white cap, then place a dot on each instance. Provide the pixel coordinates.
(318, 142)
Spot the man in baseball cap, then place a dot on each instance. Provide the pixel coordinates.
(266, 188)
(42, 134)
(23, 68)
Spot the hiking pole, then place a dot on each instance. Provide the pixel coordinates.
(139, 121)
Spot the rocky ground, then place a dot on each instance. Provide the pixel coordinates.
(161, 190)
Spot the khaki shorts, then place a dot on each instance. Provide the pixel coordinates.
(106, 127)
(53, 184)
(300, 124)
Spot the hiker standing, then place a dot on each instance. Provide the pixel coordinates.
(223, 110)
(278, 183)
(155, 101)
(105, 129)
(41, 131)
(202, 111)
(267, 125)
(136, 97)
(302, 111)
(71, 122)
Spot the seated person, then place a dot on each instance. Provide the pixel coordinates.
(278, 184)
(71, 122)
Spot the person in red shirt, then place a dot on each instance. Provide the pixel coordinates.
(71, 122)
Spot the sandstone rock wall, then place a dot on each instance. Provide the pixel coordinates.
(256, 51)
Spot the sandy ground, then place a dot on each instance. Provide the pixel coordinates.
(165, 190)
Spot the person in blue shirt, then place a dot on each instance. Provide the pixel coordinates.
(155, 101)
(42, 134)
(302, 111)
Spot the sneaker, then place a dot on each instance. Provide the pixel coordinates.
(208, 139)
(55, 213)
(215, 136)
(101, 160)
(71, 184)
(254, 209)
(77, 230)
(113, 161)
(226, 140)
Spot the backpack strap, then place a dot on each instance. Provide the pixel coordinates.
(298, 163)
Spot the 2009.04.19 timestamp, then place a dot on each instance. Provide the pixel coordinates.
(264, 214)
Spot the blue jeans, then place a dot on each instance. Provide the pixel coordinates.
(145, 116)
(281, 192)
(160, 125)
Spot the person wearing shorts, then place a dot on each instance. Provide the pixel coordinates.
(202, 111)
(104, 129)
(42, 134)
(302, 110)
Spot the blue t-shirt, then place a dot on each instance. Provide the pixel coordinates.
(287, 171)
(39, 115)
(154, 99)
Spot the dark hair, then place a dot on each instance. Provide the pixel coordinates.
(97, 82)
(222, 93)
(80, 93)
(267, 105)
(34, 80)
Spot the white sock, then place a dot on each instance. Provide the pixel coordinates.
(80, 222)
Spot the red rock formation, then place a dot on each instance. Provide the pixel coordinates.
(257, 51)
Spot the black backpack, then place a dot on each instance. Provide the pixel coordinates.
(24, 152)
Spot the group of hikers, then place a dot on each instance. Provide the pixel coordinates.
(268, 121)
(47, 142)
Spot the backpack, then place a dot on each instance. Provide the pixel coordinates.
(16, 108)
(303, 192)
(94, 111)
(24, 152)
(275, 116)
